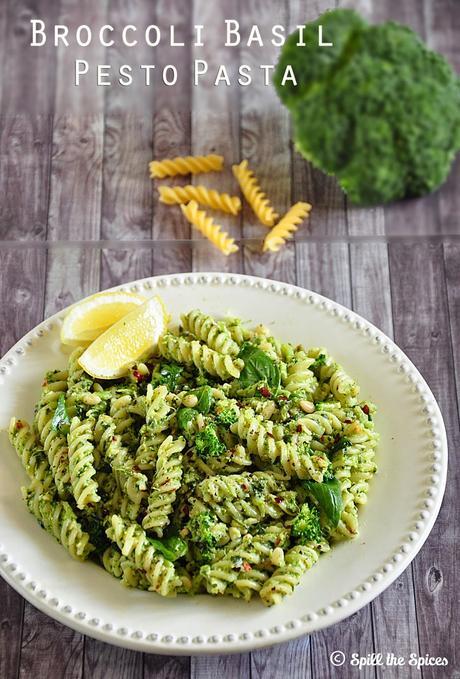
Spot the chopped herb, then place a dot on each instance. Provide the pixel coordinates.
(184, 417)
(329, 498)
(61, 420)
(317, 363)
(172, 547)
(258, 367)
(168, 374)
(340, 444)
(205, 399)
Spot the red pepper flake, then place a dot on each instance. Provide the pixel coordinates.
(245, 487)
(44, 383)
(114, 438)
(277, 541)
(283, 398)
(278, 499)
(139, 377)
(246, 566)
(348, 421)
(19, 424)
(270, 435)
(265, 391)
(299, 428)
(365, 409)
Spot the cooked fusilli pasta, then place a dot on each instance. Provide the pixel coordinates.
(175, 195)
(254, 194)
(225, 465)
(205, 225)
(169, 167)
(286, 227)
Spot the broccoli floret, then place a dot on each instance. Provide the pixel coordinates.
(206, 532)
(306, 526)
(378, 109)
(207, 442)
(227, 417)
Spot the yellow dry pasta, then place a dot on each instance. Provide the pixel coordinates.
(205, 225)
(286, 227)
(169, 167)
(254, 194)
(172, 195)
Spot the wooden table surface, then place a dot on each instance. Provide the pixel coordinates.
(78, 214)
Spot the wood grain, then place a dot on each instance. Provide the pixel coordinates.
(214, 127)
(127, 197)
(172, 136)
(265, 141)
(104, 661)
(221, 666)
(418, 282)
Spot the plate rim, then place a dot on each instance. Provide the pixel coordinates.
(304, 624)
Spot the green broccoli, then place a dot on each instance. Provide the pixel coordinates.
(306, 526)
(206, 532)
(378, 109)
(227, 417)
(207, 442)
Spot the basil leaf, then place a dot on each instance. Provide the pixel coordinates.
(184, 417)
(168, 374)
(341, 444)
(329, 497)
(204, 396)
(61, 420)
(258, 367)
(172, 548)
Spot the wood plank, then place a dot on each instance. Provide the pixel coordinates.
(128, 141)
(28, 73)
(171, 136)
(166, 667)
(265, 140)
(442, 30)
(452, 267)
(292, 658)
(220, 666)
(3, 30)
(104, 661)
(22, 283)
(214, 126)
(421, 324)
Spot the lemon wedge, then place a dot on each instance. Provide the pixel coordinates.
(128, 340)
(89, 318)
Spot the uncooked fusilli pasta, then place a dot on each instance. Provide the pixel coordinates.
(169, 167)
(205, 225)
(174, 195)
(225, 465)
(286, 226)
(254, 194)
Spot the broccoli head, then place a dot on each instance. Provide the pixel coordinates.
(306, 526)
(206, 532)
(378, 110)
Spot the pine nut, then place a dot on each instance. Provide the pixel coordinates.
(307, 406)
(277, 557)
(190, 400)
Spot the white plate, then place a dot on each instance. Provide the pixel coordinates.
(404, 498)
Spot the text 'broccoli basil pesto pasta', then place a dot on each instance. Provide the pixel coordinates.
(225, 463)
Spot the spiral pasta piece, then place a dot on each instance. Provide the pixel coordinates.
(33, 458)
(298, 374)
(174, 195)
(192, 352)
(54, 443)
(254, 194)
(124, 569)
(298, 560)
(58, 518)
(286, 227)
(169, 167)
(248, 552)
(209, 331)
(152, 433)
(132, 541)
(206, 226)
(166, 483)
(81, 462)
